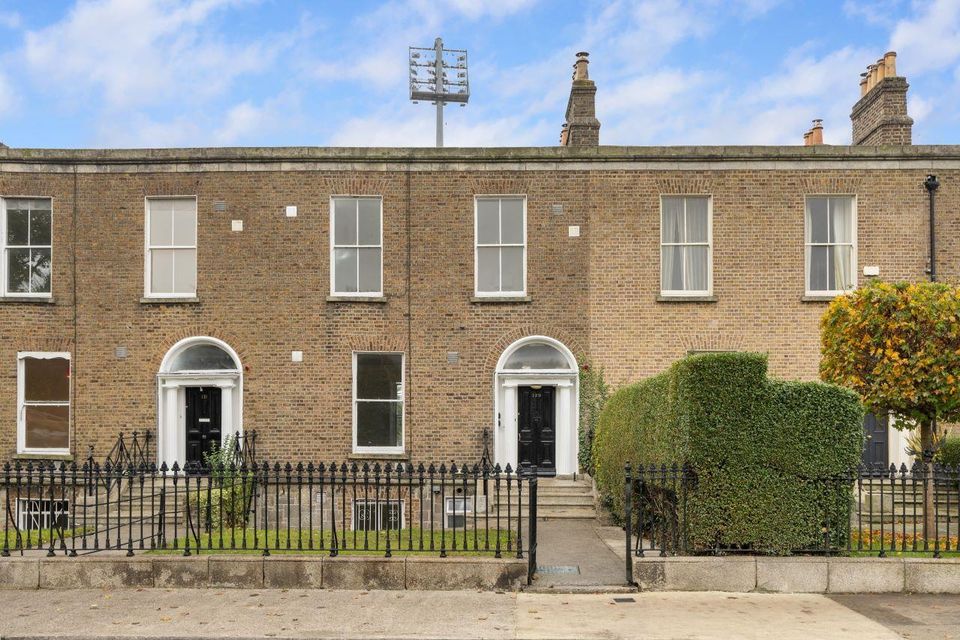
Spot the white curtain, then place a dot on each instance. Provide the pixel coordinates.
(841, 235)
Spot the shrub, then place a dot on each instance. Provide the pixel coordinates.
(758, 447)
(593, 395)
(226, 502)
(949, 452)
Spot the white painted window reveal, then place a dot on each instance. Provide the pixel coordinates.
(26, 232)
(500, 262)
(378, 402)
(356, 249)
(43, 402)
(830, 244)
(686, 245)
(171, 255)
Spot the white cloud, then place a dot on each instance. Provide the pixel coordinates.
(142, 52)
(416, 127)
(919, 108)
(247, 119)
(10, 19)
(804, 75)
(930, 40)
(475, 9)
(875, 12)
(8, 96)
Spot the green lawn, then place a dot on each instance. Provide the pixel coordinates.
(369, 543)
(34, 539)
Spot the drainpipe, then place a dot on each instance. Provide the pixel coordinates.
(932, 184)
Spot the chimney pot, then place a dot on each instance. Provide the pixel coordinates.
(863, 84)
(890, 63)
(580, 66)
(881, 69)
(816, 133)
(806, 139)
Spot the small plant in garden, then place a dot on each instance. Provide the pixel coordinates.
(948, 454)
(227, 502)
(593, 395)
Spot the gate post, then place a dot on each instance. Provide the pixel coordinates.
(627, 524)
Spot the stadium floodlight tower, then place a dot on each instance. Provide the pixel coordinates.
(439, 75)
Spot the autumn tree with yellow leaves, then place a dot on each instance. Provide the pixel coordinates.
(898, 346)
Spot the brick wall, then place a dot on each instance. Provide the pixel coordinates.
(264, 290)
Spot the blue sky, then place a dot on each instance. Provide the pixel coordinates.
(161, 73)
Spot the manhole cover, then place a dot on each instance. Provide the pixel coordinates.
(558, 569)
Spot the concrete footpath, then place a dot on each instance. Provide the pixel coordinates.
(232, 613)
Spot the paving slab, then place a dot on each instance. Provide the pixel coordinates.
(703, 616)
(914, 616)
(426, 615)
(573, 553)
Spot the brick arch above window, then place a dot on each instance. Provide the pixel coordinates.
(396, 344)
(831, 184)
(494, 186)
(356, 186)
(685, 186)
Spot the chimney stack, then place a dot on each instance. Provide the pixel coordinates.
(880, 116)
(582, 129)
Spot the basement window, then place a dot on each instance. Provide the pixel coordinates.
(372, 515)
(42, 513)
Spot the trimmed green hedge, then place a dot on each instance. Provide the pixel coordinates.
(757, 445)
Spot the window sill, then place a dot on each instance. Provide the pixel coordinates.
(819, 298)
(193, 300)
(367, 299)
(404, 457)
(60, 457)
(663, 298)
(27, 300)
(501, 299)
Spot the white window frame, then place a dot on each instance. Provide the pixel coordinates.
(22, 404)
(4, 285)
(334, 247)
(403, 399)
(678, 293)
(367, 502)
(148, 248)
(853, 245)
(477, 246)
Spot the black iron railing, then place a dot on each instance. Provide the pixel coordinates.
(128, 450)
(266, 509)
(871, 510)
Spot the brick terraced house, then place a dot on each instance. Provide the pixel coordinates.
(399, 304)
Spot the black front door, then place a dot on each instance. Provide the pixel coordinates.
(875, 451)
(203, 421)
(538, 438)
